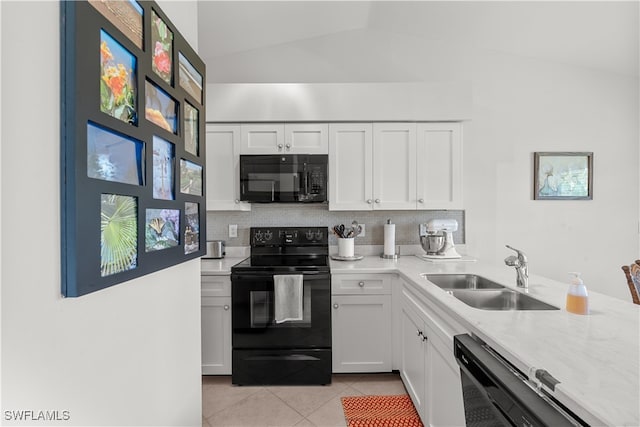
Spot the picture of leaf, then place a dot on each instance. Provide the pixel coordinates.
(118, 234)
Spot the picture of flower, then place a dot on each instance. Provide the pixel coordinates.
(117, 80)
(160, 108)
(192, 229)
(162, 44)
(162, 229)
(190, 129)
(163, 160)
(118, 234)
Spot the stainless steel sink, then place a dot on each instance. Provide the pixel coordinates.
(504, 299)
(461, 281)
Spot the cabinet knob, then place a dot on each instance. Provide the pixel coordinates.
(361, 284)
(280, 146)
(237, 201)
(377, 200)
(226, 307)
(288, 146)
(419, 333)
(369, 201)
(420, 200)
(335, 306)
(424, 337)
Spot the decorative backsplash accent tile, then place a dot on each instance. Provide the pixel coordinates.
(269, 215)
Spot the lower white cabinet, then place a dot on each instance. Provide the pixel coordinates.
(428, 368)
(216, 326)
(361, 323)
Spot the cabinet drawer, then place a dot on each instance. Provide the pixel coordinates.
(215, 286)
(361, 284)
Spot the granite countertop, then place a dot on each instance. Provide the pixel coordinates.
(218, 267)
(595, 357)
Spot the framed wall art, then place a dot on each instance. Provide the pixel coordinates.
(132, 169)
(563, 176)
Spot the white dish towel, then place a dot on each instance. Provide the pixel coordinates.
(288, 297)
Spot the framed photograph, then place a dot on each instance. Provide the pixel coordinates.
(125, 15)
(190, 79)
(122, 212)
(118, 234)
(563, 176)
(160, 108)
(163, 166)
(118, 89)
(190, 178)
(192, 227)
(114, 157)
(191, 127)
(161, 48)
(162, 229)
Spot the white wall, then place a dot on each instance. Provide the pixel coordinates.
(126, 355)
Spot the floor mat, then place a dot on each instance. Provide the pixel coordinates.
(379, 411)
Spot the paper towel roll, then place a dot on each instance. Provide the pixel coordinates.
(389, 239)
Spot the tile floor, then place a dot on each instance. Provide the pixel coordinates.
(224, 404)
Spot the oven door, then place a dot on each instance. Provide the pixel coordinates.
(253, 319)
(283, 178)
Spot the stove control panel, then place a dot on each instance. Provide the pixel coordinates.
(288, 236)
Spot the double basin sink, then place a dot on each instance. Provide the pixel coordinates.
(482, 293)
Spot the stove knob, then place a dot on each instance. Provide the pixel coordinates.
(268, 235)
(258, 236)
(309, 235)
(318, 235)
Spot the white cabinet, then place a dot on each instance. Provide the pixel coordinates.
(350, 166)
(428, 368)
(216, 325)
(223, 168)
(395, 166)
(281, 138)
(439, 168)
(361, 323)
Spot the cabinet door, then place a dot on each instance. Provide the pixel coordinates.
(361, 284)
(223, 169)
(306, 138)
(444, 389)
(262, 138)
(439, 166)
(412, 363)
(394, 166)
(216, 335)
(350, 166)
(361, 331)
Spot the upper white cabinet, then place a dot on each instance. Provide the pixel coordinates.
(223, 168)
(350, 166)
(279, 138)
(395, 166)
(439, 168)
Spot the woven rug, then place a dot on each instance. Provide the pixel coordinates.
(380, 411)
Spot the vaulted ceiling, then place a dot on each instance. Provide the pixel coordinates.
(394, 41)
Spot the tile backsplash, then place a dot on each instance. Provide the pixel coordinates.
(269, 215)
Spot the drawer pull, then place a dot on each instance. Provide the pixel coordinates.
(335, 306)
(226, 307)
(361, 284)
(419, 333)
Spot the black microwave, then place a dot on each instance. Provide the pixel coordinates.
(283, 178)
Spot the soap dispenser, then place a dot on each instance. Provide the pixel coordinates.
(577, 298)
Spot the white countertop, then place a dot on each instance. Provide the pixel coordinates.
(218, 267)
(596, 357)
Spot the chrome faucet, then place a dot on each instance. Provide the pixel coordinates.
(522, 267)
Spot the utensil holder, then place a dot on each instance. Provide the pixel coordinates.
(346, 247)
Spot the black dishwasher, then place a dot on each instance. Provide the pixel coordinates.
(496, 393)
